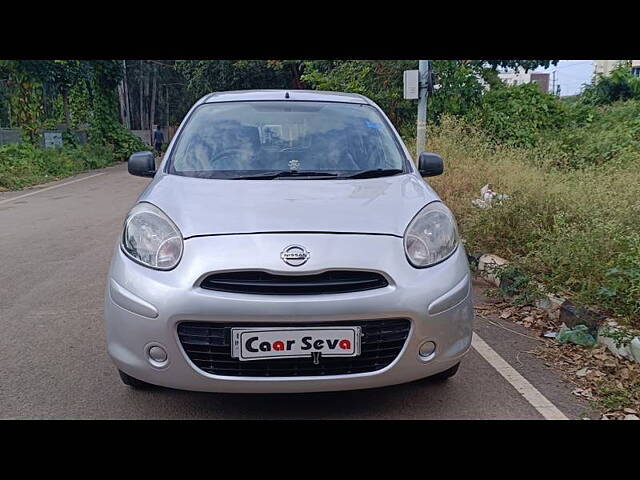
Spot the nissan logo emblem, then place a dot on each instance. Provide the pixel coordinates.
(295, 255)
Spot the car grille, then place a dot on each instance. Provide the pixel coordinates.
(208, 346)
(258, 282)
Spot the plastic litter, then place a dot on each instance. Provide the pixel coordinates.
(606, 338)
(488, 197)
(578, 335)
(634, 346)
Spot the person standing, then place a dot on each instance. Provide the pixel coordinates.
(158, 140)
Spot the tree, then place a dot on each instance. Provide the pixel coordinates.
(25, 100)
(4, 103)
(64, 74)
(460, 82)
(105, 127)
(206, 76)
(152, 110)
(141, 94)
(621, 84)
(123, 97)
(459, 88)
(380, 80)
(526, 65)
(27, 79)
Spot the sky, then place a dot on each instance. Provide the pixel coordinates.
(571, 74)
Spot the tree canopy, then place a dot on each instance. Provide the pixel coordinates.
(144, 93)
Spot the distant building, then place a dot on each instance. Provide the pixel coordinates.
(542, 79)
(520, 77)
(605, 67)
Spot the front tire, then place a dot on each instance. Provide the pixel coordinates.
(133, 382)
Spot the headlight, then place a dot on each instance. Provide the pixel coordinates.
(151, 238)
(431, 236)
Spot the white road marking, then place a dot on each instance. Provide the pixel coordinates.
(49, 188)
(547, 409)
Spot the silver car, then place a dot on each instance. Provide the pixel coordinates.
(287, 243)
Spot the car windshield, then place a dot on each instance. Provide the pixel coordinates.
(273, 139)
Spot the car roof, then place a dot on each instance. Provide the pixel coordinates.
(299, 95)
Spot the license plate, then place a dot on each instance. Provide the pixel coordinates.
(276, 342)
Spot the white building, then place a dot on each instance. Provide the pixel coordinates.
(514, 78)
(605, 67)
(520, 77)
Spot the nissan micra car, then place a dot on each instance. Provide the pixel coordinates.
(287, 243)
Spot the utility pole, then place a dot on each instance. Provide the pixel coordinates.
(423, 79)
(553, 85)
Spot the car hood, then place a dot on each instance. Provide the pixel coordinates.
(208, 207)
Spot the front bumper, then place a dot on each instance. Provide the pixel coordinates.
(144, 306)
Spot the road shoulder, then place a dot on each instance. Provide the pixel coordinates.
(517, 345)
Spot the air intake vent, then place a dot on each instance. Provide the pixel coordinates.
(208, 346)
(264, 283)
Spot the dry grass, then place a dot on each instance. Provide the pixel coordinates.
(577, 231)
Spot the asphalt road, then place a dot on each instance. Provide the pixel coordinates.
(55, 247)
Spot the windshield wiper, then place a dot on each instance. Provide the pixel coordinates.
(285, 173)
(378, 172)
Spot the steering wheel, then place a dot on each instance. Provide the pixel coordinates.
(294, 149)
(226, 153)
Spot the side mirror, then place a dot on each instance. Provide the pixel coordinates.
(430, 164)
(142, 164)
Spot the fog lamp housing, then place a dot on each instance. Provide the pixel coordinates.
(427, 350)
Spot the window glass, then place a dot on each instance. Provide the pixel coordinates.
(225, 139)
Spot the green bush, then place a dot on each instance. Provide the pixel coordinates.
(23, 164)
(518, 115)
(621, 84)
(594, 136)
(123, 143)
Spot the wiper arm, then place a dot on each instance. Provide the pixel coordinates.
(379, 172)
(285, 173)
